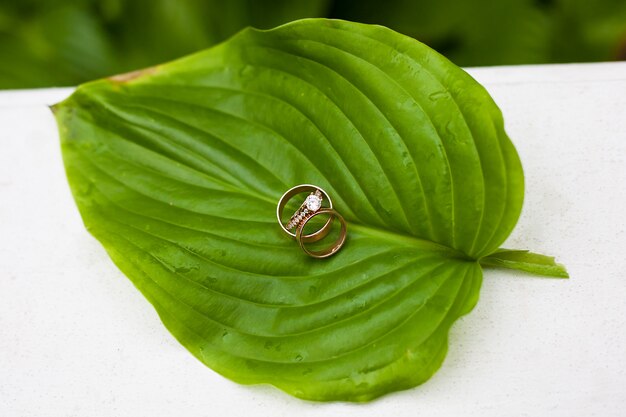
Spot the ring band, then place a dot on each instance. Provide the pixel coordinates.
(330, 250)
(312, 237)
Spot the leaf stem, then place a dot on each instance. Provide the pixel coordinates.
(526, 261)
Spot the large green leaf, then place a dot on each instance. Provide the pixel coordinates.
(177, 171)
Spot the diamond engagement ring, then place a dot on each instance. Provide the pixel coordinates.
(312, 203)
(311, 207)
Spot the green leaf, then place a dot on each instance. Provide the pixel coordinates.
(177, 171)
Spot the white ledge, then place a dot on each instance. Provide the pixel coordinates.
(76, 338)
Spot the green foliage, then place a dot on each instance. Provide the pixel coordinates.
(177, 171)
(66, 42)
(487, 32)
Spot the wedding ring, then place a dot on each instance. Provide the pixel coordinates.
(309, 207)
(331, 250)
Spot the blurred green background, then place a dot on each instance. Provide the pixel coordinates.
(66, 42)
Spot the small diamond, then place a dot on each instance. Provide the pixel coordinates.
(313, 202)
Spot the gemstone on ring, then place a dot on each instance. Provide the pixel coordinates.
(313, 202)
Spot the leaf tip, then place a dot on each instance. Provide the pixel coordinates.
(56, 107)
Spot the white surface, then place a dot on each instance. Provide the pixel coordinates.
(77, 339)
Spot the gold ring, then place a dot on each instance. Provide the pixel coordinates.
(309, 207)
(331, 250)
